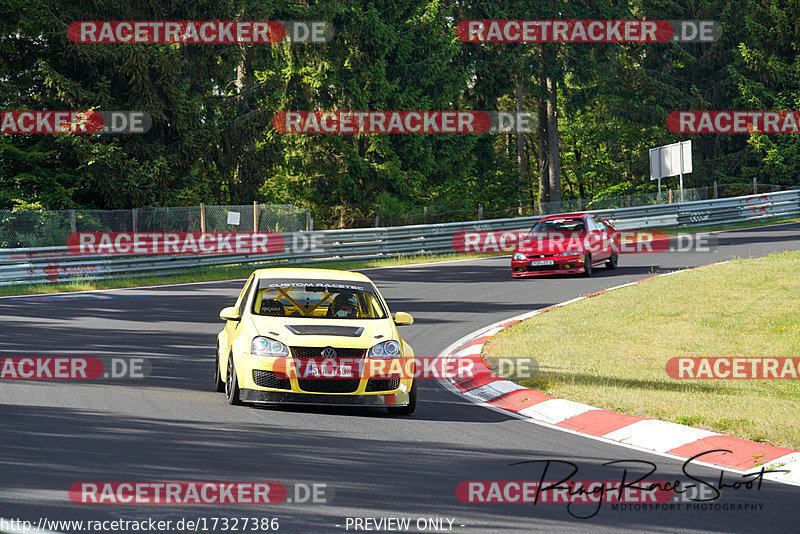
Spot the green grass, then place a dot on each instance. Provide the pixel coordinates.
(222, 273)
(610, 351)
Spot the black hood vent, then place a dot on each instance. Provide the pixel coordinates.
(324, 330)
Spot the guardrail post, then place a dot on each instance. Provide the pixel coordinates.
(202, 217)
(135, 217)
(309, 222)
(255, 216)
(72, 222)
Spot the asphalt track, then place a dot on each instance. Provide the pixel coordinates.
(172, 427)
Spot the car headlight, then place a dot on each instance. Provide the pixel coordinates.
(264, 346)
(385, 350)
(519, 256)
(571, 252)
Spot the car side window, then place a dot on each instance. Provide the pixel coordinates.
(245, 296)
(600, 224)
(591, 224)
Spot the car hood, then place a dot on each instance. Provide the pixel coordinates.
(322, 332)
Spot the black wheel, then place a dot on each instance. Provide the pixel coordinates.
(612, 262)
(587, 265)
(232, 384)
(412, 403)
(219, 385)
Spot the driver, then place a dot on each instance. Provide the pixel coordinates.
(345, 305)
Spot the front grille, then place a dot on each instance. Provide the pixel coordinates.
(266, 379)
(335, 385)
(383, 384)
(539, 256)
(304, 353)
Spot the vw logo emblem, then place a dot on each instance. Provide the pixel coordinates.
(328, 352)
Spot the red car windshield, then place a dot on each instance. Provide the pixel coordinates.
(568, 224)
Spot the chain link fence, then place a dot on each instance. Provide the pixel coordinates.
(30, 228)
(432, 216)
(33, 228)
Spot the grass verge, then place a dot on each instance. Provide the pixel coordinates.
(222, 273)
(610, 351)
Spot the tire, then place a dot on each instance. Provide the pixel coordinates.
(412, 403)
(587, 265)
(611, 264)
(232, 384)
(219, 385)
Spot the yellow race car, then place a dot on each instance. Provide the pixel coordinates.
(314, 336)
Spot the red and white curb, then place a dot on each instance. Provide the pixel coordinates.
(661, 437)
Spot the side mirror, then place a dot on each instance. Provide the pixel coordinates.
(402, 318)
(230, 314)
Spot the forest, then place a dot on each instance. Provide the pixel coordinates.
(597, 107)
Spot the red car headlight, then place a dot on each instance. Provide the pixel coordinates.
(571, 252)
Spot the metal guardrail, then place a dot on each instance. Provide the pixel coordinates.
(57, 264)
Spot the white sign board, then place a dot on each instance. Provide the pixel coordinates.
(233, 217)
(667, 160)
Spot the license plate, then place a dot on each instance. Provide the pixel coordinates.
(537, 263)
(328, 369)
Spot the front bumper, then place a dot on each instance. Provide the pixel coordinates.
(568, 265)
(400, 398)
(378, 384)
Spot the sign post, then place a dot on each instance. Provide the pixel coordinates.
(670, 160)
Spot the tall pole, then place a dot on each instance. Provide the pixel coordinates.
(658, 151)
(680, 149)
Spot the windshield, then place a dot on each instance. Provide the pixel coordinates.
(568, 224)
(319, 299)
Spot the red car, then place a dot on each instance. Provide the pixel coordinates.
(566, 244)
